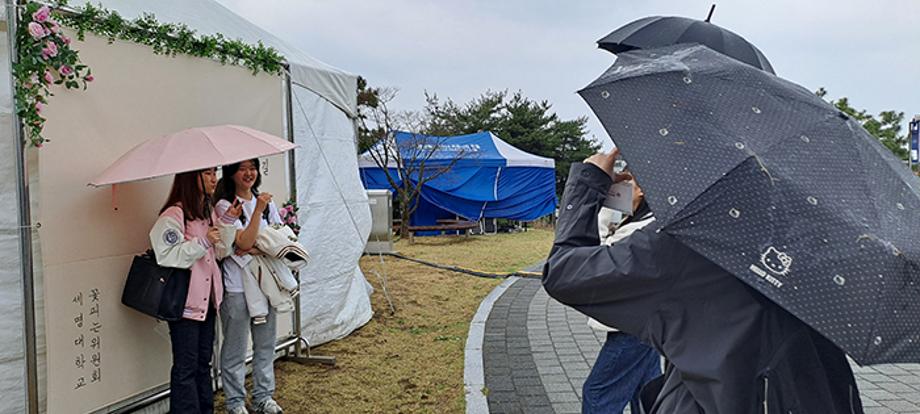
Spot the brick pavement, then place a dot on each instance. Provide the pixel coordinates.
(537, 354)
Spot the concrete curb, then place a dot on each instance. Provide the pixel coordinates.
(474, 379)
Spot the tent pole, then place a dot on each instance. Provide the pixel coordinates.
(25, 229)
(289, 120)
(301, 346)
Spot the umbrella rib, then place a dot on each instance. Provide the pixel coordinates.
(763, 168)
(636, 29)
(211, 142)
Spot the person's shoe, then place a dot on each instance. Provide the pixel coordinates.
(238, 410)
(269, 406)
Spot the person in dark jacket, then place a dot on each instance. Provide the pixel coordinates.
(730, 349)
(624, 364)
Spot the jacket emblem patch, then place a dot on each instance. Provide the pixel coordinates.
(171, 237)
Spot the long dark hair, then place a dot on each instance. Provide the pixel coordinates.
(226, 187)
(187, 191)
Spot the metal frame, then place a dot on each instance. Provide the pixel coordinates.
(25, 228)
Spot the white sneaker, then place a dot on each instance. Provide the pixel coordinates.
(238, 410)
(269, 406)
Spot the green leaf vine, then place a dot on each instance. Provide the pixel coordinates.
(46, 58)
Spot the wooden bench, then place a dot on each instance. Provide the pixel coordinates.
(448, 225)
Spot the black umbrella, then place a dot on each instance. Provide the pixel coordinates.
(658, 31)
(776, 186)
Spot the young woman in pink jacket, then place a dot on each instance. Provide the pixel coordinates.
(189, 235)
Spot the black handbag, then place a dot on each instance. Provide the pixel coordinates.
(156, 290)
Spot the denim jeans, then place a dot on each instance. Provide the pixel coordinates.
(623, 366)
(190, 390)
(236, 328)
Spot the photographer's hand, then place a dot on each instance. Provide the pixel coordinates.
(605, 162)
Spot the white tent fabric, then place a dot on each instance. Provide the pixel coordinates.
(334, 209)
(518, 158)
(209, 17)
(335, 219)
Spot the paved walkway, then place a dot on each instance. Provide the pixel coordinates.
(536, 354)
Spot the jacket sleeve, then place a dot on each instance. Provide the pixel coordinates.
(224, 247)
(619, 285)
(227, 226)
(167, 238)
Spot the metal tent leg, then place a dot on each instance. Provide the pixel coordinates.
(302, 355)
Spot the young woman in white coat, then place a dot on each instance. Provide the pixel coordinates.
(189, 235)
(239, 186)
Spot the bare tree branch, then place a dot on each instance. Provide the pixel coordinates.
(408, 163)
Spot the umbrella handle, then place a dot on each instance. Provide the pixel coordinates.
(711, 9)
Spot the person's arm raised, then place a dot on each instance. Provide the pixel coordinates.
(246, 238)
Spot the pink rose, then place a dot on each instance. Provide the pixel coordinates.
(66, 71)
(48, 77)
(89, 78)
(42, 14)
(65, 39)
(52, 48)
(36, 30)
(38, 107)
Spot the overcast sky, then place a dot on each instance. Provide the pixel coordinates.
(868, 51)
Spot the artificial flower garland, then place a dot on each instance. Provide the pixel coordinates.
(46, 58)
(171, 39)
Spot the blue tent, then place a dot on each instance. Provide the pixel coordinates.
(489, 178)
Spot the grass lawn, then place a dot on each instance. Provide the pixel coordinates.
(505, 252)
(410, 361)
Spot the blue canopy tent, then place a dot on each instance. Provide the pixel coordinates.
(489, 178)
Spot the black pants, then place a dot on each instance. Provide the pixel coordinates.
(190, 390)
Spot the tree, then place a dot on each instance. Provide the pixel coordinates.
(524, 123)
(887, 127)
(368, 102)
(407, 163)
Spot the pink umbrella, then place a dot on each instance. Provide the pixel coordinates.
(190, 150)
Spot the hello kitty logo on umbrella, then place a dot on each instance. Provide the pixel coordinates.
(776, 261)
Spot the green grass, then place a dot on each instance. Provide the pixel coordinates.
(410, 361)
(505, 252)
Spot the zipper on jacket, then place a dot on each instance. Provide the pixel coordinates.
(766, 395)
(852, 408)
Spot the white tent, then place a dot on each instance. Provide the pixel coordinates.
(333, 205)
